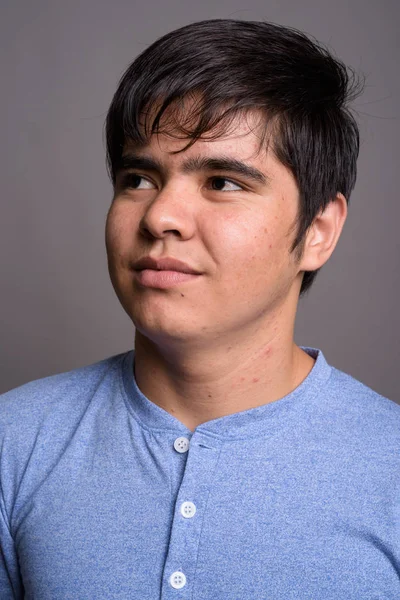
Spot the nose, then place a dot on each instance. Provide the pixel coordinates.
(168, 213)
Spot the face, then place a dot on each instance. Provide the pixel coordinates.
(225, 209)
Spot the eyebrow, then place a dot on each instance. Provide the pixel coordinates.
(193, 164)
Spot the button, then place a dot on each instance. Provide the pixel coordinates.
(181, 444)
(188, 509)
(177, 580)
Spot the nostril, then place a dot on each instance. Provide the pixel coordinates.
(161, 232)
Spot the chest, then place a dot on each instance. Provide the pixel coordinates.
(218, 521)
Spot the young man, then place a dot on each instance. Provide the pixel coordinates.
(219, 460)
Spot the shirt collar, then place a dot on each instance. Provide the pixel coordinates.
(254, 421)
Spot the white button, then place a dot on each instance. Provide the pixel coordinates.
(177, 580)
(181, 444)
(188, 509)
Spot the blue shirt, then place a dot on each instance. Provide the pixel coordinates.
(105, 495)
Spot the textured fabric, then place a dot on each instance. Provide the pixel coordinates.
(296, 499)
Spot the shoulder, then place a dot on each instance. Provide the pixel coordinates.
(33, 400)
(346, 387)
(40, 420)
(365, 415)
(341, 396)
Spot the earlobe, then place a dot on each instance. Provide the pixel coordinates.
(324, 234)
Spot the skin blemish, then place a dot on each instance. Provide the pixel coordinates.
(256, 379)
(183, 295)
(243, 379)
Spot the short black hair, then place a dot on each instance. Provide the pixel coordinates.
(233, 67)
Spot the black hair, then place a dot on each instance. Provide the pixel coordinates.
(233, 67)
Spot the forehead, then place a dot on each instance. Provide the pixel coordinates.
(243, 137)
(190, 118)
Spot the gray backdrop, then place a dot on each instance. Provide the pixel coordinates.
(62, 61)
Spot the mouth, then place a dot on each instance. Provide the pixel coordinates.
(163, 273)
(162, 279)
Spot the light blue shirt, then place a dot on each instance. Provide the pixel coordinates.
(105, 495)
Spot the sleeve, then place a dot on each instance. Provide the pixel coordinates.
(10, 579)
(11, 587)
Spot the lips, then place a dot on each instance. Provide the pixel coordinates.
(163, 273)
(164, 264)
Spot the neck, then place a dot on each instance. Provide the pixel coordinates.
(198, 383)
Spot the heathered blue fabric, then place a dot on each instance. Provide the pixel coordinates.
(296, 499)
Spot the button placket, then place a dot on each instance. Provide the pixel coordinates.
(188, 516)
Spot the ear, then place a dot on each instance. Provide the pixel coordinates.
(323, 234)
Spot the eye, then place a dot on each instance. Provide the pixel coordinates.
(136, 182)
(221, 184)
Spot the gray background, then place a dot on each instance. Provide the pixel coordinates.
(62, 62)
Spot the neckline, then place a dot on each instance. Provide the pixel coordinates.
(253, 421)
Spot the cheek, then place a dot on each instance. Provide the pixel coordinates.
(119, 236)
(247, 238)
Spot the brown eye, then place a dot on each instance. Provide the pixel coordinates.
(223, 184)
(136, 182)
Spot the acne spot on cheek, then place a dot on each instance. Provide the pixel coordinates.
(270, 245)
(256, 379)
(243, 379)
(183, 295)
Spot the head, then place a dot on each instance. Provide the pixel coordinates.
(196, 84)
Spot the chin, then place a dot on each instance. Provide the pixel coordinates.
(169, 334)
